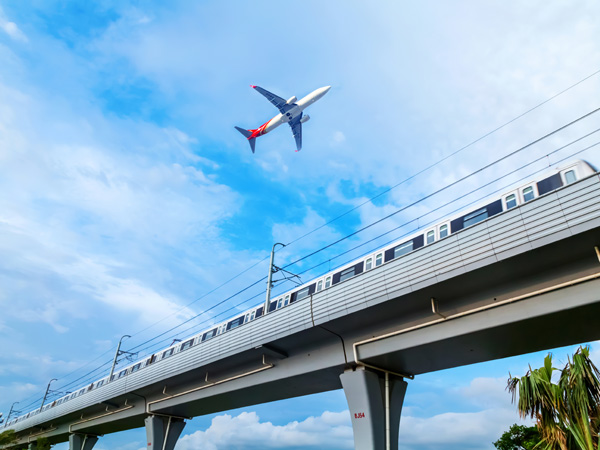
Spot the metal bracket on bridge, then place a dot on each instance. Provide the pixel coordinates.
(435, 308)
(272, 351)
(110, 405)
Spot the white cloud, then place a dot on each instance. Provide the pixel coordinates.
(94, 220)
(488, 392)
(338, 137)
(330, 430)
(11, 28)
(476, 430)
(450, 430)
(286, 232)
(13, 31)
(17, 390)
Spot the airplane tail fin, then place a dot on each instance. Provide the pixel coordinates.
(247, 134)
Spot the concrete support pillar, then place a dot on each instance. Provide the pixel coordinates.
(82, 441)
(162, 432)
(374, 408)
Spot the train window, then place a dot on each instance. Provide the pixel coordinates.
(528, 194)
(475, 217)
(430, 237)
(368, 263)
(280, 303)
(511, 201)
(319, 285)
(403, 249)
(327, 282)
(287, 300)
(443, 231)
(59, 401)
(379, 259)
(121, 374)
(187, 344)
(209, 334)
(570, 176)
(81, 392)
(253, 315)
(348, 273)
(235, 323)
(302, 293)
(167, 353)
(100, 383)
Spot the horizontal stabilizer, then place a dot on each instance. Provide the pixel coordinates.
(246, 133)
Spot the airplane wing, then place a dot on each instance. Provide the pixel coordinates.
(279, 103)
(296, 127)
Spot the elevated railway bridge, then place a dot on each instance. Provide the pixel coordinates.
(489, 291)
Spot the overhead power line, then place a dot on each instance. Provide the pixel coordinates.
(431, 166)
(485, 167)
(348, 212)
(489, 183)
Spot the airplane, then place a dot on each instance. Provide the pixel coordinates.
(290, 112)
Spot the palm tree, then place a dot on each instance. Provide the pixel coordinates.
(568, 412)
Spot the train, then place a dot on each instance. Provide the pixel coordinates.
(518, 195)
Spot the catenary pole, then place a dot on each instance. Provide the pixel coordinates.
(270, 278)
(112, 369)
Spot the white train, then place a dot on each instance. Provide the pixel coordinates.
(546, 183)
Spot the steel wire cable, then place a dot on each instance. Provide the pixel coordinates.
(489, 133)
(410, 232)
(385, 191)
(367, 201)
(203, 312)
(489, 183)
(552, 133)
(454, 183)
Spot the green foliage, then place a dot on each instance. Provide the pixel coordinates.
(7, 437)
(518, 437)
(567, 412)
(42, 443)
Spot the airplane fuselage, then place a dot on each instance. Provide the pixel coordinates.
(292, 113)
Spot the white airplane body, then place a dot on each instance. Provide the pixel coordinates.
(290, 111)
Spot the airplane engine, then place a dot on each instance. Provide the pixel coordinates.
(292, 99)
(304, 119)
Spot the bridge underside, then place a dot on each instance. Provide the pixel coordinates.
(524, 304)
(311, 362)
(398, 335)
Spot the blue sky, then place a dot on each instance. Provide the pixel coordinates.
(128, 195)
